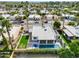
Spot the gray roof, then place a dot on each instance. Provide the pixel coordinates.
(73, 30)
(43, 33)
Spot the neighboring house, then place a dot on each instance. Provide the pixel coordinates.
(75, 11)
(33, 12)
(44, 11)
(6, 16)
(3, 11)
(49, 17)
(34, 18)
(43, 35)
(68, 17)
(71, 32)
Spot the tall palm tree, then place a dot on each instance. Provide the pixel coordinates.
(2, 30)
(8, 25)
(4, 39)
(26, 13)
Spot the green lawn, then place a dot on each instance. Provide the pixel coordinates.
(23, 41)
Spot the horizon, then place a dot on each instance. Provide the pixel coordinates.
(38, 0)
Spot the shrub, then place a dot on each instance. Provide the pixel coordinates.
(71, 23)
(66, 53)
(42, 51)
(57, 24)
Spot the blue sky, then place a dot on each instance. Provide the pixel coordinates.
(39, 0)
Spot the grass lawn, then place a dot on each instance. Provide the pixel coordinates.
(23, 41)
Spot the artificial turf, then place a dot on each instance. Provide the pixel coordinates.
(23, 41)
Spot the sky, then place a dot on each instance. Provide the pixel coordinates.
(39, 0)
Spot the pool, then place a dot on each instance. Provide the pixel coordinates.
(47, 46)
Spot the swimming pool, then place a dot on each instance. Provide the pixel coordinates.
(47, 46)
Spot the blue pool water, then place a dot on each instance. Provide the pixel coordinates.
(47, 46)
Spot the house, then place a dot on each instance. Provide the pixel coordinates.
(6, 16)
(71, 32)
(43, 35)
(74, 11)
(34, 18)
(33, 12)
(44, 11)
(68, 17)
(49, 17)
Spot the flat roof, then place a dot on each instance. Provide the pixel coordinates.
(34, 15)
(43, 33)
(6, 15)
(49, 16)
(67, 32)
(68, 15)
(73, 30)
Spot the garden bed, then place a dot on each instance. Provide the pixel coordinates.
(23, 41)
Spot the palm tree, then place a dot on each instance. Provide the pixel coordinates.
(4, 39)
(2, 30)
(8, 25)
(26, 13)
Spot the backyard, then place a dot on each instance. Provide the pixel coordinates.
(23, 41)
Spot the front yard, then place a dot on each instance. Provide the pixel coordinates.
(23, 41)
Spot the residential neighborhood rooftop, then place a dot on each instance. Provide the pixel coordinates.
(73, 30)
(43, 33)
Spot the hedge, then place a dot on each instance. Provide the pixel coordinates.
(41, 51)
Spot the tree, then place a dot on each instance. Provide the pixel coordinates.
(26, 13)
(74, 47)
(57, 24)
(5, 42)
(2, 30)
(8, 25)
(66, 53)
(71, 23)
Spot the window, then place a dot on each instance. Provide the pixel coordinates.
(43, 41)
(34, 37)
(50, 41)
(45, 29)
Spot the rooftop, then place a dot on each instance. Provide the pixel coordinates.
(43, 33)
(34, 15)
(73, 30)
(49, 16)
(5, 15)
(68, 15)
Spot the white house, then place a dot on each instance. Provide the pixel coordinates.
(44, 11)
(68, 17)
(71, 32)
(49, 17)
(6, 15)
(43, 35)
(34, 18)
